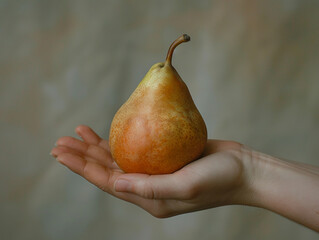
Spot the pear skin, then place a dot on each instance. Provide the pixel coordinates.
(158, 130)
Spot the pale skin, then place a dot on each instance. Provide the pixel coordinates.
(228, 173)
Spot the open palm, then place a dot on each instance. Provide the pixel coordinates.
(211, 181)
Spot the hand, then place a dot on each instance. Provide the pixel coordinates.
(214, 180)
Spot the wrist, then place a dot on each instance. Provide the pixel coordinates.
(284, 187)
(248, 191)
(257, 173)
(265, 177)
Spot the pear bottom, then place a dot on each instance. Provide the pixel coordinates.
(159, 147)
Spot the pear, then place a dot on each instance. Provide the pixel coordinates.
(158, 130)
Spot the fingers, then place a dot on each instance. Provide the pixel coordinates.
(168, 186)
(88, 135)
(98, 175)
(74, 162)
(73, 145)
(55, 152)
(95, 173)
(62, 149)
(105, 144)
(105, 179)
(91, 137)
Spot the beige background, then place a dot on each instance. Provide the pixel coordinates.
(252, 68)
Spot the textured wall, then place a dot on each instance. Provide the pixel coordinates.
(252, 68)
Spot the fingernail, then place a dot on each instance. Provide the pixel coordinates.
(123, 185)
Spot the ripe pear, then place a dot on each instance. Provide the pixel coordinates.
(158, 130)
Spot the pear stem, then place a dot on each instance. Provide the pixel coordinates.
(181, 39)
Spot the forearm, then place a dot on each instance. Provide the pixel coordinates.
(287, 188)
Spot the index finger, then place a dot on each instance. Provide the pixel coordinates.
(88, 135)
(91, 137)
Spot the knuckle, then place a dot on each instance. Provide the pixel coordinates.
(90, 150)
(97, 152)
(147, 191)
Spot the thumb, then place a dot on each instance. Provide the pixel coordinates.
(150, 186)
